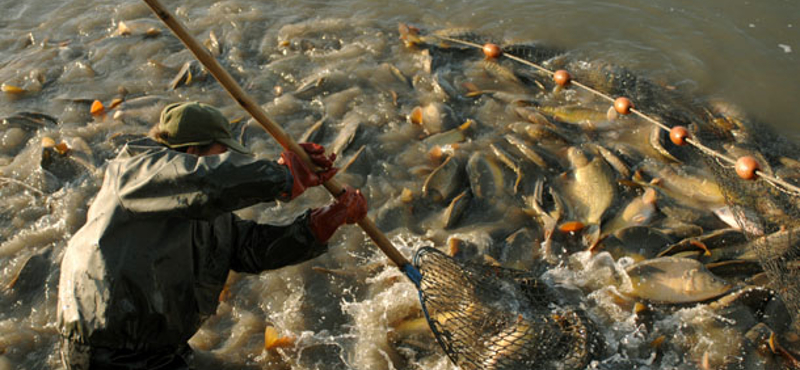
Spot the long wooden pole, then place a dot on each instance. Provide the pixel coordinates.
(244, 100)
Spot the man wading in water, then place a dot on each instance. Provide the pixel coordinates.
(139, 278)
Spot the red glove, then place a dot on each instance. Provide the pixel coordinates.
(317, 154)
(350, 207)
(305, 177)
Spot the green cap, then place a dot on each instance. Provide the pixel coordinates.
(196, 123)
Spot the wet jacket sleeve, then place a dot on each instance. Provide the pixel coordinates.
(169, 183)
(261, 247)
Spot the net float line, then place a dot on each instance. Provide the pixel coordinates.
(746, 167)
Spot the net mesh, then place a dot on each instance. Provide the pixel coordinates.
(488, 317)
(767, 213)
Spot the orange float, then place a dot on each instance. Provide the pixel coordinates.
(562, 77)
(746, 167)
(491, 51)
(623, 105)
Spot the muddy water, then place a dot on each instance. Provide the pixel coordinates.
(308, 61)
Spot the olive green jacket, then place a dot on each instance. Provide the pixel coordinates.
(149, 264)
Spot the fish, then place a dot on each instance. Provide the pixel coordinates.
(511, 345)
(445, 180)
(513, 99)
(717, 245)
(397, 73)
(442, 87)
(213, 44)
(409, 328)
(347, 134)
(584, 117)
(338, 103)
(635, 242)
(485, 177)
(321, 82)
(184, 76)
(29, 121)
(591, 190)
(541, 134)
(733, 268)
(314, 133)
(434, 118)
(456, 135)
(67, 161)
(510, 162)
(500, 72)
(526, 150)
(672, 280)
(532, 115)
(639, 211)
(562, 339)
(687, 185)
(452, 214)
(612, 159)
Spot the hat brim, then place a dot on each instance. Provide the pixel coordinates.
(230, 143)
(183, 145)
(233, 144)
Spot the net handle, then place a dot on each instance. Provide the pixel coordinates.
(255, 110)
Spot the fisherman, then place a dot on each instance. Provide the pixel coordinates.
(147, 268)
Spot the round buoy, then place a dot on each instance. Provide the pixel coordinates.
(746, 167)
(562, 77)
(623, 105)
(491, 50)
(678, 135)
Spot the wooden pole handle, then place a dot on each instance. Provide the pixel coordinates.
(246, 102)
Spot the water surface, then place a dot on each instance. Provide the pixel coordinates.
(67, 54)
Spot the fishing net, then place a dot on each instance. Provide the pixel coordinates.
(489, 317)
(767, 212)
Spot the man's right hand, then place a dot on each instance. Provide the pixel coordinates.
(349, 208)
(304, 177)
